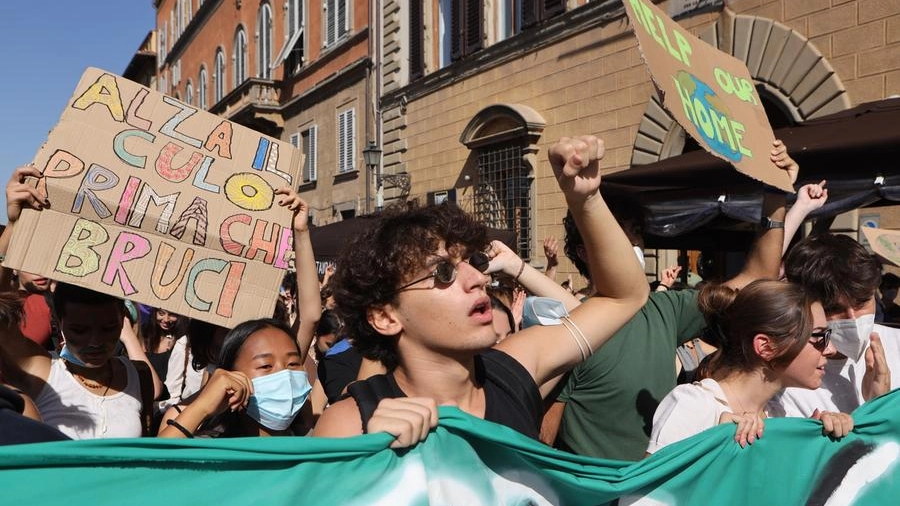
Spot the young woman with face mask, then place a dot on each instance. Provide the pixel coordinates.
(259, 385)
(770, 335)
(258, 389)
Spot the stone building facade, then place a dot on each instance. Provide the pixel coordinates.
(460, 99)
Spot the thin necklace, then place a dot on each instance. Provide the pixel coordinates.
(740, 405)
(93, 384)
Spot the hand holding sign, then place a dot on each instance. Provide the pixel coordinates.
(709, 93)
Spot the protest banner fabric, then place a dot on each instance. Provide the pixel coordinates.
(159, 202)
(467, 461)
(710, 93)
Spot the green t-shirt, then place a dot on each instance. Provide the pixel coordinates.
(610, 398)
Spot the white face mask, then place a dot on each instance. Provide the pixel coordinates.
(851, 337)
(640, 256)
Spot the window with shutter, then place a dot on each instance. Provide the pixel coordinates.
(309, 152)
(416, 41)
(474, 34)
(342, 142)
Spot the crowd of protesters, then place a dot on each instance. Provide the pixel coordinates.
(423, 309)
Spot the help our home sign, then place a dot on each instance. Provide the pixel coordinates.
(156, 201)
(709, 93)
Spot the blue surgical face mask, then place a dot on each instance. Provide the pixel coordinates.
(277, 398)
(542, 311)
(66, 354)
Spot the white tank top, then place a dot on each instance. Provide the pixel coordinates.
(66, 404)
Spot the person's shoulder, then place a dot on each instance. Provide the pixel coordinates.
(341, 419)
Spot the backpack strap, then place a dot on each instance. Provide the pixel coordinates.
(146, 383)
(367, 394)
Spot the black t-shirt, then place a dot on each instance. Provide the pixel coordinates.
(338, 370)
(512, 398)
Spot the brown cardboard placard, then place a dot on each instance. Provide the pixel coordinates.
(884, 243)
(709, 93)
(159, 202)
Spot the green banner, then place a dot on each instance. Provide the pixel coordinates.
(465, 461)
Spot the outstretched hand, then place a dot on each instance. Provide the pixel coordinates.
(877, 379)
(783, 160)
(551, 251)
(20, 194)
(576, 165)
(296, 204)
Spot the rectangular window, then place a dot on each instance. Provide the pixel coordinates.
(346, 141)
(309, 142)
(335, 20)
(466, 28)
(535, 11)
(503, 193)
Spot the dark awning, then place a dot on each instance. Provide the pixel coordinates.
(687, 198)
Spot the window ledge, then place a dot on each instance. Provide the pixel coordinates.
(346, 176)
(307, 186)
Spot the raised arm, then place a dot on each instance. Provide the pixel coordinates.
(621, 288)
(809, 198)
(19, 195)
(309, 304)
(505, 260)
(135, 351)
(764, 259)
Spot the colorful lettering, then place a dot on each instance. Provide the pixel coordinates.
(143, 202)
(131, 117)
(216, 265)
(249, 191)
(230, 289)
(200, 177)
(78, 257)
(128, 246)
(164, 255)
(71, 167)
(220, 139)
(127, 199)
(104, 91)
(195, 212)
(97, 179)
(225, 237)
(169, 127)
(164, 163)
(260, 241)
(123, 153)
(284, 246)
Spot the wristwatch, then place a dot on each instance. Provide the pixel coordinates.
(768, 223)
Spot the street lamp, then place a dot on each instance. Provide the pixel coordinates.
(372, 157)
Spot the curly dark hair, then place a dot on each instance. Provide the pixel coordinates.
(375, 263)
(835, 268)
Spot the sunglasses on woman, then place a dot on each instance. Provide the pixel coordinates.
(820, 338)
(444, 272)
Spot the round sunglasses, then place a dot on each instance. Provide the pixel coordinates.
(444, 272)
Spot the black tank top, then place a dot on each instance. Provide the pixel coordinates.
(511, 396)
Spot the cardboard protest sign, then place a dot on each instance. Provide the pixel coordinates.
(884, 243)
(709, 93)
(156, 201)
